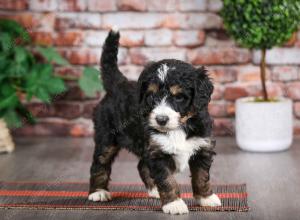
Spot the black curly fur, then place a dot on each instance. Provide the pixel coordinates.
(121, 119)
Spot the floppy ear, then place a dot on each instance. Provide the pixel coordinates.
(143, 79)
(203, 89)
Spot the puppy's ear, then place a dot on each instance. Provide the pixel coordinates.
(203, 89)
(143, 79)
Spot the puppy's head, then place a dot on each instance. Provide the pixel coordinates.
(172, 92)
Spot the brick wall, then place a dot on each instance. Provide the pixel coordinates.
(189, 30)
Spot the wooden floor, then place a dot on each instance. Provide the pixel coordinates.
(273, 179)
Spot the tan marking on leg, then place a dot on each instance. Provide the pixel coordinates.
(200, 183)
(168, 190)
(108, 154)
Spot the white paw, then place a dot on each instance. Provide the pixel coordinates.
(212, 201)
(101, 195)
(177, 207)
(153, 193)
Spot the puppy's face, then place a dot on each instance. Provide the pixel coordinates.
(172, 92)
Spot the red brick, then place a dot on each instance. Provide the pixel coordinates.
(297, 109)
(128, 20)
(215, 5)
(172, 21)
(43, 5)
(69, 72)
(210, 56)
(230, 109)
(82, 128)
(58, 127)
(293, 90)
(132, 72)
(192, 5)
(96, 38)
(189, 38)
(25, 19)
(132, 38)
(102, 5)
(250, 73)
(88, 108)
(297, 127)
(280, 56)
(234, 92)
(131, 5)
(285, 73)
(274, 89)
(79, 20)
(57, 109)
(223, 127)
(70, 38)
(74, 93)
(202, 21)
(42, 38)
(191, 21)
(161, 37)
(218, 92)
(166, 5)
(223, 74)
(72, 5)
(82, 56)
(217, 109)
(141, 56)
(15, 5)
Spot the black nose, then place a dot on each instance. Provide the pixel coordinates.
(162, 119)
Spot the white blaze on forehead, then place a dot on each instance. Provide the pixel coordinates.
(162, 72)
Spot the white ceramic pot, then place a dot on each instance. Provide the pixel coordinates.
(264, 126)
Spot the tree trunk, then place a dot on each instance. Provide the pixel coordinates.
(6, 141)
(263, 74)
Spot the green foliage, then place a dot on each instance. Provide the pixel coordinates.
(24, 75)
(90, 81)
(261, 24)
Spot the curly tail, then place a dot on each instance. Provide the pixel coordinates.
(111, 75)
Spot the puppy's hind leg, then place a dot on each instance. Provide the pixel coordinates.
(100, 172)
(147, 180)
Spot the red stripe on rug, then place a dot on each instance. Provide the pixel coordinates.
(114, 194)
(111, 206)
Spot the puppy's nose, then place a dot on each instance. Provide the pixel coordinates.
(162, 119)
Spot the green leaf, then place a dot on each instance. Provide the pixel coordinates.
(43, 95)
(12, 119)
(9, 101)
(14, 29)
(90, 82)
(51, 55)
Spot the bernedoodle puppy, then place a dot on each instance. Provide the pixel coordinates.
(163, 119)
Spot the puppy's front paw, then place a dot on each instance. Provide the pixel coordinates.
(212, 201)
(101, 195)
(177, 207)
(153, 193)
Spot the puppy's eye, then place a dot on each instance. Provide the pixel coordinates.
(179, 98)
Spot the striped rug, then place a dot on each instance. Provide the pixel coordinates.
(73, 195)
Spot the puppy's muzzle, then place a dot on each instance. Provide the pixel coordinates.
(162, 120)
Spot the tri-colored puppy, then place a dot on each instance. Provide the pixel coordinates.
(163, 119)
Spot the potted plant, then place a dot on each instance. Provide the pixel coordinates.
(27, 73)
(262, 123)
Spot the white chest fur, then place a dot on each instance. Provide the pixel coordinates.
(175, 143)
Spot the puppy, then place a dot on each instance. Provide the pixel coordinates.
(163, 119)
